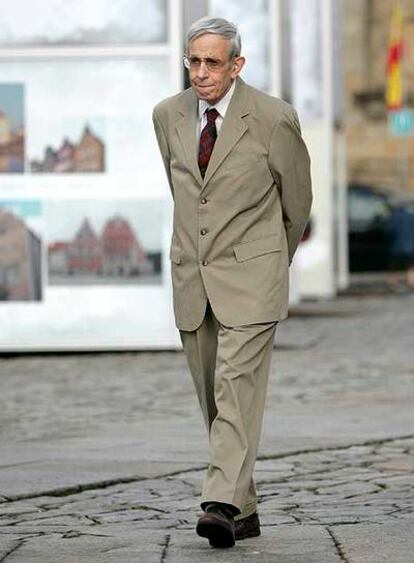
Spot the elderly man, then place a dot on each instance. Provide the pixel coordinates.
(239, 174)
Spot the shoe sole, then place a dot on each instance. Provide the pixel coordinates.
(216, 534)
(248, 535)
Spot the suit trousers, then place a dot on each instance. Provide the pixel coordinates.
(230, 369)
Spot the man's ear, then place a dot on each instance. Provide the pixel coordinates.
(238, 64)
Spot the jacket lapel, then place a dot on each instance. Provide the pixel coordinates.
(232, 129)
(187, 131)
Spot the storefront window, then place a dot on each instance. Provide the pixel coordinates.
(253, 20)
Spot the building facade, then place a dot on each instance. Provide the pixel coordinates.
(88, 155)
(374, 156)
(20, 260)
(116, 251)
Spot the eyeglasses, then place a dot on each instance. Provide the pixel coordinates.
(195, 62)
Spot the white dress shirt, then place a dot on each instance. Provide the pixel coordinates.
(220, 106)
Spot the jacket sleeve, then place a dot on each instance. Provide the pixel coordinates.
(163, 146)
(289, 163)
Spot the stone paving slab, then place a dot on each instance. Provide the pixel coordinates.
(127, 545)
(374, 543)
(33, 479)
(281, 544)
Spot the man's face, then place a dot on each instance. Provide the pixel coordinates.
(211, 85)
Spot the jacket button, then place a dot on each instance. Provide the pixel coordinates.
(203, 232)
(204, 262)
(204, 201)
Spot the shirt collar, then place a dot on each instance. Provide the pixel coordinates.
(220, 106)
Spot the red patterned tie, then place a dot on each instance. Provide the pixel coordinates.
(207, 139)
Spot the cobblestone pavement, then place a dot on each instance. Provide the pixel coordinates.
(103, 455)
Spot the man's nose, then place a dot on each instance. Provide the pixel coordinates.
(202, 70)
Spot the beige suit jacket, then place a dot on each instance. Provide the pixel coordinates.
(235, 231)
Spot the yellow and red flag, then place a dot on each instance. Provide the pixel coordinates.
(394, 93)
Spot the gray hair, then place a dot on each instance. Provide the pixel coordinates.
(219, 26)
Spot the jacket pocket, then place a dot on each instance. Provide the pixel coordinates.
(175, 255)
(251, 249)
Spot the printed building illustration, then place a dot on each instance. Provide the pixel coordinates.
(86, 156)
(116, 252)
(11, 146)
(20, 260)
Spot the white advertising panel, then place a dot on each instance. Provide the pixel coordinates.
(85, 211)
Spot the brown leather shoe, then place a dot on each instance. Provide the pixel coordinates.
(217, 525)
(248, 527)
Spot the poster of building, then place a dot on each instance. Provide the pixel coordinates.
(104, 242)
(103, 127)
(101, 22)
(76, 157)
(92, 162)
(21, 225)
(127, 304)
(12, 128)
